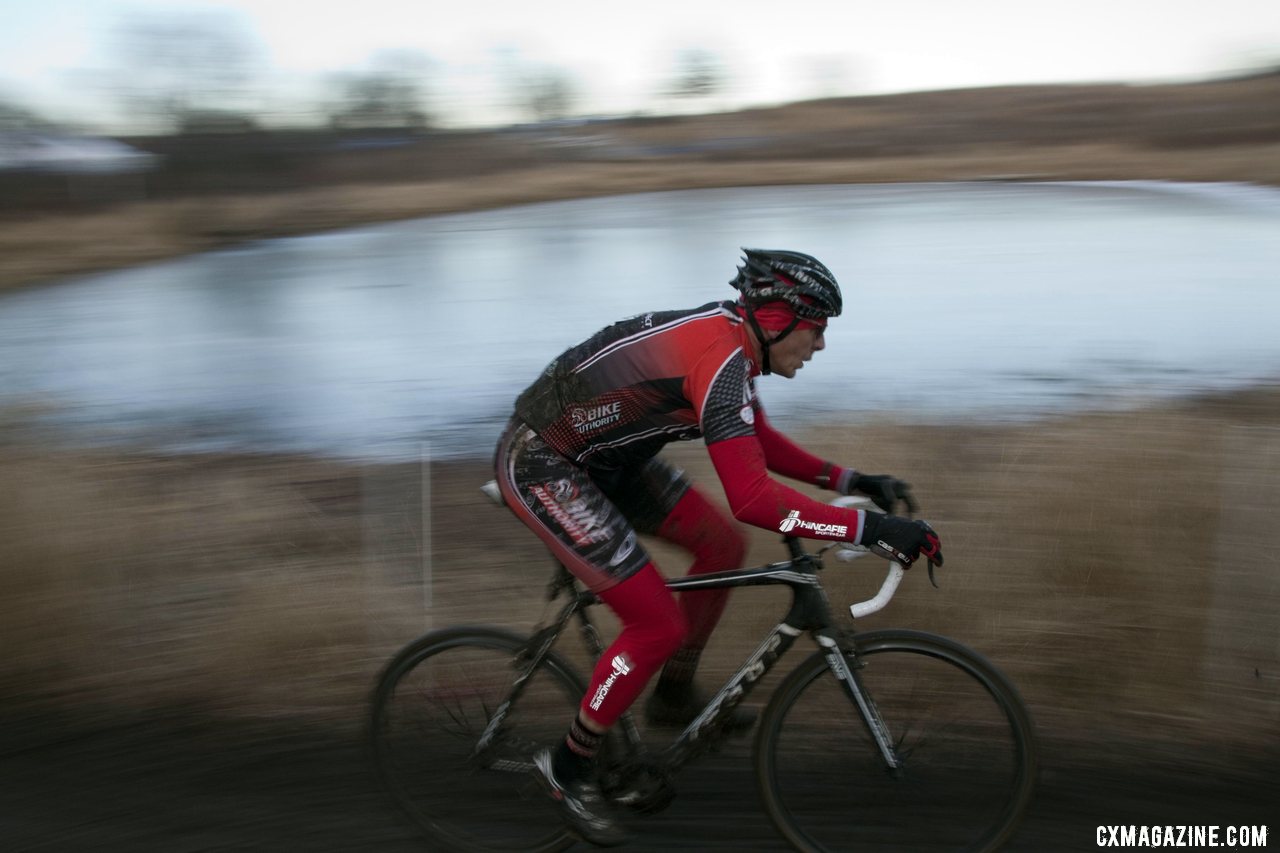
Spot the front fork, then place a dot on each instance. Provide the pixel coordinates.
(842, 656)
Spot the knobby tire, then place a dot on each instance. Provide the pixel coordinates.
(963, 733)
(432, 702)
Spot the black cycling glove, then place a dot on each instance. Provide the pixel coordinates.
(902, 540)
(884, 491)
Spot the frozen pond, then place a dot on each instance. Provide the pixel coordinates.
(982, 300)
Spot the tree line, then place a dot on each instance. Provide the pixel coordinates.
(181, 72)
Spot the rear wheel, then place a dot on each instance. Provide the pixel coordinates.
(962, 733)
(432, 704)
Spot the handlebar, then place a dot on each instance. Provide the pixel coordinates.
(888, 587)
(847, 552)
(881, 598)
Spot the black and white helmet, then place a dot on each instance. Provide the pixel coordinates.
(800, 280)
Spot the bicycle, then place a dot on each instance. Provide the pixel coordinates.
(893, 739)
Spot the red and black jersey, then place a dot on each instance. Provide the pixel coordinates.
(613, 401)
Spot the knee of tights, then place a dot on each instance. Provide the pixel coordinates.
(666, 637)
(727, 550)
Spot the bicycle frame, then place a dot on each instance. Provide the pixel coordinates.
(809, 612)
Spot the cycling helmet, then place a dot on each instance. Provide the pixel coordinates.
(800, 280)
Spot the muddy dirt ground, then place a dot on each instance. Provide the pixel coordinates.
(168, 782)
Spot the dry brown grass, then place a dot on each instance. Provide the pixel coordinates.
(1117, 565)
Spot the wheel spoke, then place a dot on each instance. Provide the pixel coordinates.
(961, 733)
(432, 706)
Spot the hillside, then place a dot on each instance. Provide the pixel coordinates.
(216, 190)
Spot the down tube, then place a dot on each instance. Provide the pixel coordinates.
(734, 691)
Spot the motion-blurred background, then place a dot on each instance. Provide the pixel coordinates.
(272, 274)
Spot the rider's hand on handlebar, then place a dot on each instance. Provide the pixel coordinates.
(884, 491)
(902, 540)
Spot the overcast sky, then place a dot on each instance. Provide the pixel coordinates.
(53, 53)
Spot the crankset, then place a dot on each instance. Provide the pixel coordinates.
(642, 785)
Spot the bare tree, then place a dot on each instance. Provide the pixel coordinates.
(698, 74)
(392, 93)
(549, 95)
(14, 117)
(534, 90)
(173, 66)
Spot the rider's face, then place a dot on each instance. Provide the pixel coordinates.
(789, 354)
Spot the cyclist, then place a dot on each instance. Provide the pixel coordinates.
(578, 465)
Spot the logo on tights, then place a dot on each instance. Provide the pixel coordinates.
(576, 516)
(563, 490)
(624, 550)
(621, 666)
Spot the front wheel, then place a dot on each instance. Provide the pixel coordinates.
(962, 735)
(432, 704)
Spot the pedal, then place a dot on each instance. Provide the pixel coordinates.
(642, 786)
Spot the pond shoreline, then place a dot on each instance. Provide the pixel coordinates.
(209, 193)
(44, 249)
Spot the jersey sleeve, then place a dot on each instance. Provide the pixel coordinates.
(757, 499)
(785, 457)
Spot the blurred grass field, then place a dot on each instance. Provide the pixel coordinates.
(1117, 565)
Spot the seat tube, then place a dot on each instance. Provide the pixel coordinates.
(590, 636)
(847, 672)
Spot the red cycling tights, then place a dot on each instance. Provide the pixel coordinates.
(654, 626)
